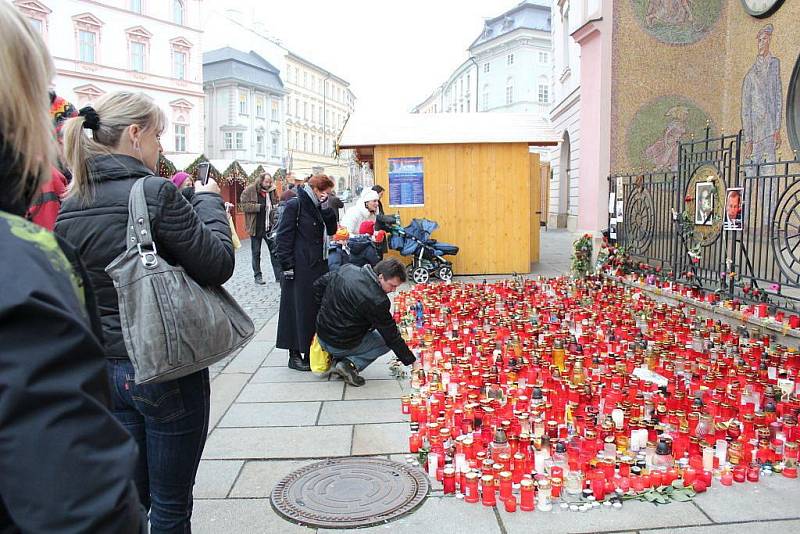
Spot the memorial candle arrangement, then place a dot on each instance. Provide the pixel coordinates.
(535, 393)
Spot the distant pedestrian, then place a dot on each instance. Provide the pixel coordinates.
(380, 190)
(258, 202)
(185, 184)
(355, 323)
(66, 464)
(364, 209)
(302, 248)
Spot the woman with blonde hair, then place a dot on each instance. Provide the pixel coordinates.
(109, 147)
(66, 465)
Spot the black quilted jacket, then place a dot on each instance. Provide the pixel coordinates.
(194, 235)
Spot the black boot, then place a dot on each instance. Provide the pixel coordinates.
(298, 362)
(259, 280)
(347, 371)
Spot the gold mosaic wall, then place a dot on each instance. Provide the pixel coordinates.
(680, 63)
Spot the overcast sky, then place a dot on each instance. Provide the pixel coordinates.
(393, 53)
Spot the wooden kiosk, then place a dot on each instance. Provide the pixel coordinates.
(472, 173)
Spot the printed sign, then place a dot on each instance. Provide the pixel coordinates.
(406, 182)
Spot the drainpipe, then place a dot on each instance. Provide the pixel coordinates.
(477, 84)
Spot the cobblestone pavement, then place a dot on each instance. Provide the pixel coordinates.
(260, 302)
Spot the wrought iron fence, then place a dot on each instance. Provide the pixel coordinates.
(678, 220)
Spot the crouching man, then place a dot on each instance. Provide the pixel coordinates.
(355, 323)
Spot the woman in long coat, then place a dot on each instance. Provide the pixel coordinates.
(302, 248)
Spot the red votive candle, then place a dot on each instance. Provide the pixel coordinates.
(526, 495)
(488, 494)
(726, 479)
(471, 487)
(505, 485)
(449, 481)
(511, 504)
(739, 473)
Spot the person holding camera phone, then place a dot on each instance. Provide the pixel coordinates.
(258, 202)
(302, 249)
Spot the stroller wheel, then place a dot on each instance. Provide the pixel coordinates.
(445, 273)
(420, 275)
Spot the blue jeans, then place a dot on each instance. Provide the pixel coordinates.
(169, 422)
(370, 349)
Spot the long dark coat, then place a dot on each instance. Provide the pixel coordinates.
(299, 247)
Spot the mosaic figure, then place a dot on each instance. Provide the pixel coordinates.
(663, 153)
(762, 104)
(674, 12)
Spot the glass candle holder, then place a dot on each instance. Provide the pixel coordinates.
(488, 493)
(471, 494)
(573, 482)
(449, 481)
(526, 495)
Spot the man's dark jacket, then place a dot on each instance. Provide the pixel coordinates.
(194, 235)
(352, 304)
(66, 465)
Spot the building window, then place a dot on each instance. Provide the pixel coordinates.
(275, 110)
(259, 143)
(37, 25)
(305, 79)
(228, 140)
(136, 6)
(486, 67)
(313, 144)
(544, 94)
(509, 94)
(297, 140)
(544, 57)
(305, 142)
(274, 145)
(137, 56)
(239, 140)
(510, 59)
(260, 106)
(88, 44)
(177, 11)
(297, 107)
(313, 113)
(468, 109)
(305, 110)
(179, 64)
(320, 114)
(180, 138)
(243, 103)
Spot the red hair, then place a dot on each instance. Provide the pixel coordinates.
(320, 182)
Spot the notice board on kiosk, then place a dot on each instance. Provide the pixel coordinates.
(406, 182)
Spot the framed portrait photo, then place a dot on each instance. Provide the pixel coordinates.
(761, 8)
(704, 204)
(734, 209)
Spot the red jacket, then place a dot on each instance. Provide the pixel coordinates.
(44, 208)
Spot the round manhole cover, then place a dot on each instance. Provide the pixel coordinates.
(349, 492)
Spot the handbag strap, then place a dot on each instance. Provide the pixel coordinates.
(140, 233)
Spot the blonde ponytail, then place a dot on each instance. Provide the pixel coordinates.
(115, 112)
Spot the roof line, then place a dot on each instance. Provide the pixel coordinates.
(326, 71)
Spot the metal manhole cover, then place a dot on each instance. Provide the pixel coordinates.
(349, 492)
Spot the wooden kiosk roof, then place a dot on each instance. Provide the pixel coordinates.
(447, 128)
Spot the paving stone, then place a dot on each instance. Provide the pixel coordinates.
(215, 478)
(250, 358)
(260, 302)
(278, 442)
(439, 515)
(284, 374)
(278, 358)
(379, 369)
(366, 411)
(259, 477)
(373, 389)
(749, 502)
(634, 515)
(271, 414)
(757, 527)
(435, 484)
(240, 516)
(268, 333)
(281, 392)
(383, 438)
(224, 390)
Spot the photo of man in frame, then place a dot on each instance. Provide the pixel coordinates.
(734, 207)
(704, 204)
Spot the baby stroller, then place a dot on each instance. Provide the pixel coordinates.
(427, 254)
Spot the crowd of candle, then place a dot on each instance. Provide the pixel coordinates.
(538, 392)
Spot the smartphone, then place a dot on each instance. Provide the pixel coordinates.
(202, 172)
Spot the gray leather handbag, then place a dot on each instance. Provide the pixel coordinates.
(172, 325)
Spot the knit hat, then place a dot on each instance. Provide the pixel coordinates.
(367, 227)
(60, 111)
(368, 195)
(179, 177)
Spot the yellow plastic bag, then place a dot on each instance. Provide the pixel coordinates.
(234, 236)
(320, 359)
